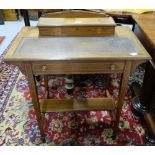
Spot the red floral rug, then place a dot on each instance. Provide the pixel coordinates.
(19, 127)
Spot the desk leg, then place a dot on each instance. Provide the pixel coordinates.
(123, 89)
(46, 85)
(34, 95)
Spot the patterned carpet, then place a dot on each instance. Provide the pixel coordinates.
(18, 124)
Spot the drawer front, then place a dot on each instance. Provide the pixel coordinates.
(77, 67)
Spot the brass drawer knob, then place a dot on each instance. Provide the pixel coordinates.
(44, 68)
(112, 67)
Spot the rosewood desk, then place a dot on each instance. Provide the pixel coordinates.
(36, 55)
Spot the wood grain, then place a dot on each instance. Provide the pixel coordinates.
(123, 89)
(77, 31)
(76, 26)
(64, 22)
(63, 67)
(144, 29)
(33, 91)
(10, 15)
(79, 64)
(150, 121)
(147, 24)
(83, 104)
(74, 14)
(120, 31)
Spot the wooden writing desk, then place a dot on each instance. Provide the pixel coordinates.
(36, 55)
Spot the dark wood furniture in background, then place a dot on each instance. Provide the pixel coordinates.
(119, 17)
(123, 18)
(26, 17)
(10, 14)
(1, 18)
(145, 30)
(62, 13)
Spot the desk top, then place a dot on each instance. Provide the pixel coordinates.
(147, 23)
(28, 46)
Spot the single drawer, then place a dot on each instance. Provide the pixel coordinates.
(77, 67)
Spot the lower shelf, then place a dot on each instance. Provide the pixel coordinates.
(83, 104)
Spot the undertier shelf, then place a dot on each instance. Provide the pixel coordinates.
(81, 104)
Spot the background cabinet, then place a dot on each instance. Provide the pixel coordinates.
(10, 14)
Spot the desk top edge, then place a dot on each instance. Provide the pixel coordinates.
(25, 32)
